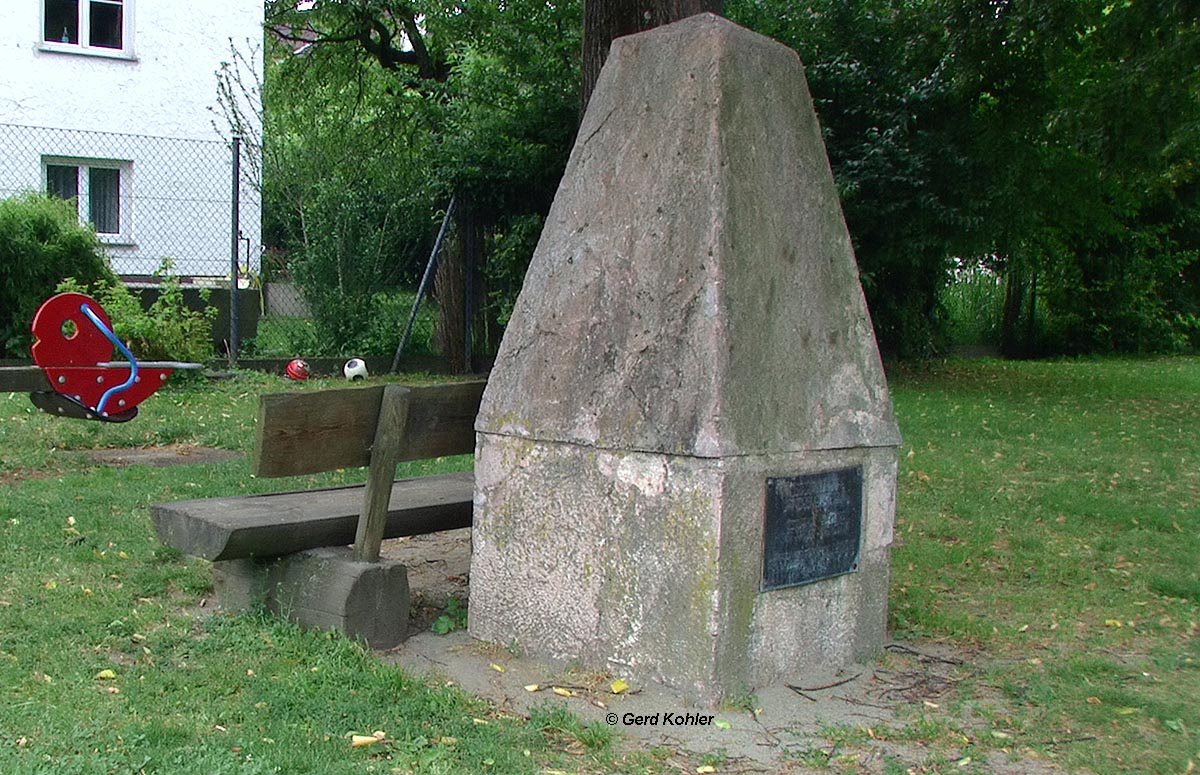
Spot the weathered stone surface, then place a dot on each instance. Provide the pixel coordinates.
(691, 324)
(651, 565)
(322, 588)
(694, 291)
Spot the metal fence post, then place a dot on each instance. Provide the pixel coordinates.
(234, 235)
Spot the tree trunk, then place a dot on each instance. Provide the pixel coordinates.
(1010, 324)
(458, 285)
(604, 20)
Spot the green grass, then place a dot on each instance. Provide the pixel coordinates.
(1048, 528)
(112, 661)
(1050, 516)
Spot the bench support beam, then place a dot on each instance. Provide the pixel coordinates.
(322, 588)
(385, 452)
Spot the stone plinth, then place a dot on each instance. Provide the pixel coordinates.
(691, 326)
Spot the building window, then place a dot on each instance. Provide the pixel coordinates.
(96, 26)
(99, 189)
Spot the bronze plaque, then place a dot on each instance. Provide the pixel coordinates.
(813, 527)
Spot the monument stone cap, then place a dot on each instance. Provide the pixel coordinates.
(718, 312)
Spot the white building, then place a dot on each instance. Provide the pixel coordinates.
(114, 102)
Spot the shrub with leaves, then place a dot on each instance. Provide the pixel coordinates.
(166, 329)
(41, 243)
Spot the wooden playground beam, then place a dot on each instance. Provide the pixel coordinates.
(23, 379)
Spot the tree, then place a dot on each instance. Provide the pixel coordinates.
(487, 95)
(1053, 142)
(605, 20)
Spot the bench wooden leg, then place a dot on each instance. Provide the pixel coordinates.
(323, 588)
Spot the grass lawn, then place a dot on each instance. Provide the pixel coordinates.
(1048, 530)
(1049, 518)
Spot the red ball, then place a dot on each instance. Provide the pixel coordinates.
(298, 369)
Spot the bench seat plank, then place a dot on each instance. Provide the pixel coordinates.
(282, 523)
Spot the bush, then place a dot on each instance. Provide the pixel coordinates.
(167, 330)
(379, 323)
(41, 244)
(972, 306)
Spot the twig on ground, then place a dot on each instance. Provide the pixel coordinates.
(923, 657)
(800, 691)
(863, 703)
(823, 686)
(1065, 740)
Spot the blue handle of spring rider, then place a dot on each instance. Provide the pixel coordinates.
(133, 364)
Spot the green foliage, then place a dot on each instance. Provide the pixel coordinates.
(166, 329)
(283, 337)
(41, 243)
(354, 177)
(1053, 141)
(971, 306)
(343, 190)
(512, 246)
(455, 617)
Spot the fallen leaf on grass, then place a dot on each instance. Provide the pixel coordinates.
(360, 741)
(106, 675)
(1113, 623)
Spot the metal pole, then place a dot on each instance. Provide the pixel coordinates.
(234, 239)
(472, 246)
(423, 288)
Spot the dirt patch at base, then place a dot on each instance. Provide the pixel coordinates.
(778, 729)
(161, 457)
(439, 565)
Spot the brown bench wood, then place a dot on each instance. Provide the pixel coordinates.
(312, 432)
(248, 526)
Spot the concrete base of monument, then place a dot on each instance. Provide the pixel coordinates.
(656, 566)
(775, 729)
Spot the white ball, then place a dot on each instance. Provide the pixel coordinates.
(355, 369)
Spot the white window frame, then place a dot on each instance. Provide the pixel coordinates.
(83, 45)
(124, 234)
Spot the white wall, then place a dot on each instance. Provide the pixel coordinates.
(159, 100)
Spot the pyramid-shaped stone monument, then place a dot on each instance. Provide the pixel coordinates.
(686, 456)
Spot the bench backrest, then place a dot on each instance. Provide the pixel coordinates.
(312, 432)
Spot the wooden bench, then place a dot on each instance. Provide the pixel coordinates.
(289, 551)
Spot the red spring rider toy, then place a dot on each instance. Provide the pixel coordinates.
(74, 348)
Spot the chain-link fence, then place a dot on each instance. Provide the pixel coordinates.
(198, 206)
(154, 202)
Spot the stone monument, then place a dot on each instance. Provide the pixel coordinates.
(686, 456)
